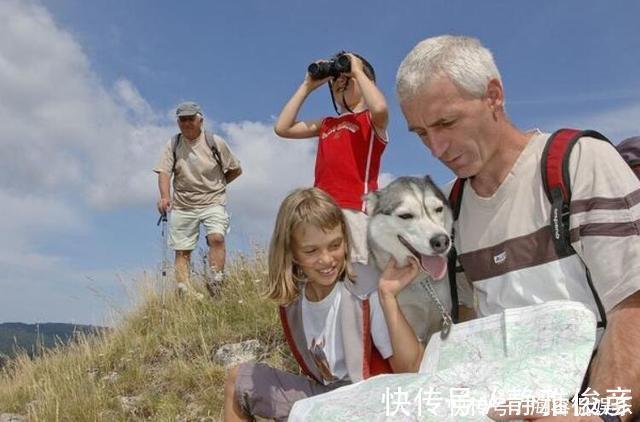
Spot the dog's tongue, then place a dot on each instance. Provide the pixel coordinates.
(435, 266)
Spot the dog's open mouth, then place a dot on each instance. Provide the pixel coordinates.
(434, 265)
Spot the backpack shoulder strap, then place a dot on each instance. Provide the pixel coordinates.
(455, 197)
(174, 145)
(455, 200)
(557, 186)
(557, 182)
(211, 141)
(372, 362)
(294, 335)
(452, 263)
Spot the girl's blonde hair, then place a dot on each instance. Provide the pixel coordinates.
(304, 205)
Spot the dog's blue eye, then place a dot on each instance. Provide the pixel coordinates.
(406, 216)
(439, 209)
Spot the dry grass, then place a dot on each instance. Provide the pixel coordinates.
(161, 354)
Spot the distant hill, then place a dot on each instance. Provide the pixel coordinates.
(31, 337)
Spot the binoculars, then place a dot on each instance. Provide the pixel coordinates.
(333, 67)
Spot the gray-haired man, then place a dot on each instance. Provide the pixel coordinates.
(202, 165)
(452, 97)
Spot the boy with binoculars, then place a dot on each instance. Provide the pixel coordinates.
(350, 146)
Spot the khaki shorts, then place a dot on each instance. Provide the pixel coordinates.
(184, 225)
(357, 223)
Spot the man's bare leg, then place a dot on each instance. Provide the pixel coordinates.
(183, 266)
(183, 272)
(217, 254)
(217, 251)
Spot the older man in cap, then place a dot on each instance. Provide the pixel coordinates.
(202, 165)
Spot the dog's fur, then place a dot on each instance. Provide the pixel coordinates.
(412, 213)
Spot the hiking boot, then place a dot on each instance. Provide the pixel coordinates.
(214, 281)
(185, 290)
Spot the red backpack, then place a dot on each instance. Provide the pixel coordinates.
(557, 186)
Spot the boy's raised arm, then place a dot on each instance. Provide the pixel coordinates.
(374, 99)
(287, 126)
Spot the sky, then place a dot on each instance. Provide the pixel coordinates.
(88, 91)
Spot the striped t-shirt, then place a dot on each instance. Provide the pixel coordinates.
(505, 245)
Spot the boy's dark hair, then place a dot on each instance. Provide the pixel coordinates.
(368, 69)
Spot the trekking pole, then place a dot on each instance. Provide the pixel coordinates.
(165, 264)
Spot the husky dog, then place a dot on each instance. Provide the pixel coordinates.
(411, 217)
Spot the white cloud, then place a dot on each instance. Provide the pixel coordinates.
(76, 146)
(133, 101)
(29, 215)
(40, 286)
(62, 128)
(68, 145)
(271, 168)
(616, 124)
(385, 179)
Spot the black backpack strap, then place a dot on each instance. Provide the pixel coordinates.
(557, 186)
(210, 138)
(453, 284)
(211, 141)
(174, 145)
(455, 199)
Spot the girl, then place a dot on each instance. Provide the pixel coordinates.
(335, 336)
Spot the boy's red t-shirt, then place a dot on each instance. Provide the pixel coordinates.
(348, 158)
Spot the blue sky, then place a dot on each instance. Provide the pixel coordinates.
(89, 87)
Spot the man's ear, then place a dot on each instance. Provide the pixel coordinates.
(495, 94)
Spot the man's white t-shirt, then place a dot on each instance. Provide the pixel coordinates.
(324, 337)
(506, 246)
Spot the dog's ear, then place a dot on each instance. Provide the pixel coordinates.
(436, 190)
(371, 199)
(429, 181)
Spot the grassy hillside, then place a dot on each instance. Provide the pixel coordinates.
(161, 354)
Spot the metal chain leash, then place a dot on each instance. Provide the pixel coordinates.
(447, 321)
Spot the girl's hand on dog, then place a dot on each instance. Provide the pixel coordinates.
(395, 278)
